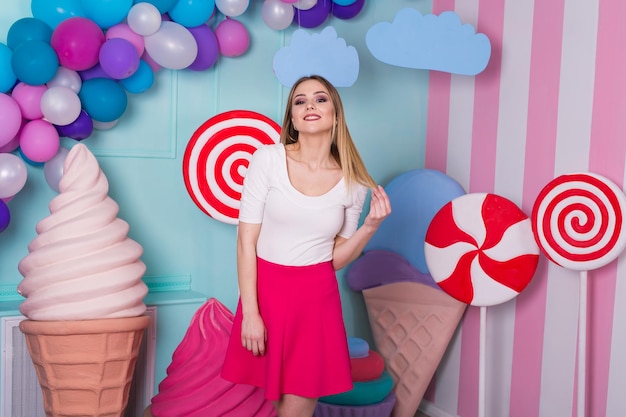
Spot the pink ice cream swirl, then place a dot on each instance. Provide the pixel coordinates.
(82, 265)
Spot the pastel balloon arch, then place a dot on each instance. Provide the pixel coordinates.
(67, 69)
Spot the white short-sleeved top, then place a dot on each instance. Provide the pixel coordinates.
(296, 229)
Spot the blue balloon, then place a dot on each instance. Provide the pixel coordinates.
(56, 11)
(34, 62)
(106, 13)
(191, 13)
(343, 2)
(103, 99)
(162, 5)
(28, 29)
(141, 80)
(5, 216)
(7, 76)
(415, 196)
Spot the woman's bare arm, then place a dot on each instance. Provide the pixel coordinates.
(253, 333)
(347, 250)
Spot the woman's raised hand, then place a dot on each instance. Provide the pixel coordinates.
(380, 207)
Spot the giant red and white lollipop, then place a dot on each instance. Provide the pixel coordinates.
(480, 250)
(578, 222)
(217, 157)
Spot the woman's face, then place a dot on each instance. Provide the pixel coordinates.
(312, 110)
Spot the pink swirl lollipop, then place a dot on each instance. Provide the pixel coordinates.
(578, 219)
(480, 249)
(217, 158)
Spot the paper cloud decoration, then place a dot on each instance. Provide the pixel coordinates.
(430, 42)
(323, 54)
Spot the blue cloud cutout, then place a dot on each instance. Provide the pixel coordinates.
(324, 54)
(430, 42)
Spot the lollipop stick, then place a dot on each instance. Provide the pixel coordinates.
(481, 361)
(582, 344)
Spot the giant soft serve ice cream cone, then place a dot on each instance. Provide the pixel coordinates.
(85, 367)
(412, 322)
(84, 296)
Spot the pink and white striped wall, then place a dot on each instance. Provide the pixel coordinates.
(551, 101)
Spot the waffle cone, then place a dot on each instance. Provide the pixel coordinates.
(85, 367)
(412, 325)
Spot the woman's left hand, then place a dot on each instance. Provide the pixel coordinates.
(380, 208)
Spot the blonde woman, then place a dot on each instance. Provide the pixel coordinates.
(298, 224)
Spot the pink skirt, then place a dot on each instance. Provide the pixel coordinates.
(307, 348)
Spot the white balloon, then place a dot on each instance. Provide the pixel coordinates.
(144, 19)
(53, 169)
(277, 14)
(60, 105)
(232, 8)
(172, 46)
(305, 4)
(104, 125)
(13, 174)
(66, 77)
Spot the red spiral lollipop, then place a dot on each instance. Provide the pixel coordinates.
(578, 221)
(217, 157)
(480, 249)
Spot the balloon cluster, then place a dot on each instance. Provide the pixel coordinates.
(279, 14)
(68, 69)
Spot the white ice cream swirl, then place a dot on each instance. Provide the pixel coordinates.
(82, 265)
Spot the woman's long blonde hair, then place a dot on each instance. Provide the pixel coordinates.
(342, 148)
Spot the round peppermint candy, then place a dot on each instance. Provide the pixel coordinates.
(217, 157)
(480, 249)
(578, 221)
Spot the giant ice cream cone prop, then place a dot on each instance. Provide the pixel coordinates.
(412, 322)
(85, 368)
(84, 297)
(412, 325)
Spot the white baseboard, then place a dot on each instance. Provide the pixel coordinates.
(433, 411)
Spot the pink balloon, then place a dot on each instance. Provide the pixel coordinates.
(289, 1)
(10, 118)
(77, 42)
(232, 37)
(28, 97)
(39, 140)
(12, 145)
(123, 30)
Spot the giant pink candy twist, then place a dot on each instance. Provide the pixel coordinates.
(193, 386)
(82, 265)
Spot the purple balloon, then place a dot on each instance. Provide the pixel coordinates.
(94, 72)
(379, 267)
(314, 16)
(118, 58)
(79, 129)
(349, 11)
(208, 48)
(5, 216)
